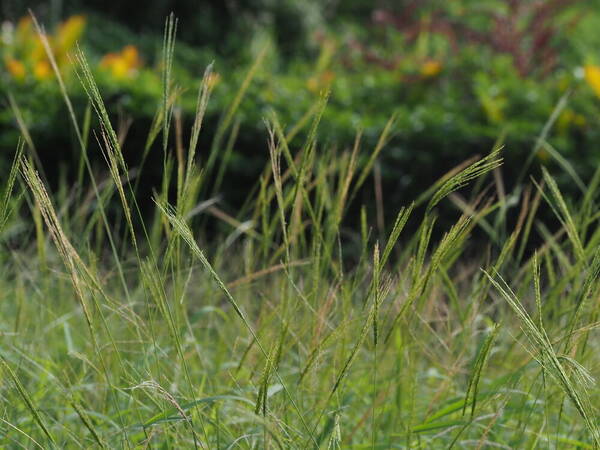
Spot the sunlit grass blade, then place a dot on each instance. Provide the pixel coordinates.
(10, 184)
(558, 204)
(540, 342)
(478, 367)
(475, 170)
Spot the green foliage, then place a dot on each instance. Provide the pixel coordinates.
(452, 89)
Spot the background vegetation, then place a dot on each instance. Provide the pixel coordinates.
(457, 76)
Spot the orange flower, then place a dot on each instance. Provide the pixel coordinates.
(124, 64)
(16, 68)
(318, 82)
(131, 56)
(42, 70)
(431, 68)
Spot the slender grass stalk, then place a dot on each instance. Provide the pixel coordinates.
(28, 402)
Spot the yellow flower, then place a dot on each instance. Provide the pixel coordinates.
(131, 56)
(16, 68)
(28, 55)
(431, 68)
(592, 76)
(115, 64)
(42, 70)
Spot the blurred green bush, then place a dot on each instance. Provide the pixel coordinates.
(457, 75)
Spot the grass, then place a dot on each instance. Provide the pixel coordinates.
(286, 328)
